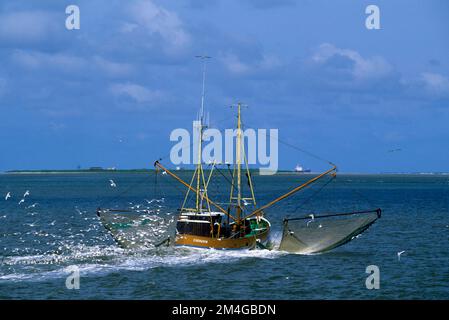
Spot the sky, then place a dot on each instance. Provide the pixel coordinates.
(110, 93)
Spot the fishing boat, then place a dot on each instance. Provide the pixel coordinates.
(207, 224)
(300, 169)
(239, 223)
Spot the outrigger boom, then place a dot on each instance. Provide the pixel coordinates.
(259, 210)
(293, 191)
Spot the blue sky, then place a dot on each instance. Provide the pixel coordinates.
(110, 93)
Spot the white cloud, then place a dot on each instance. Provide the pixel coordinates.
(235, 65)
(269, 62)
(128, 27)
(135, 91)
(27, 26)
(158, 20)
(363, 68)
(69, 63)
(435, 83)
(36, 59)
(113, 68)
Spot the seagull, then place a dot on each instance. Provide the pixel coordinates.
(27, 193)
(32, 224)
(21, 201)
(32, 206)
(312, 216)
(8, 195)
(164, 172)
(52, 223)
(113, 185)
(399, 255)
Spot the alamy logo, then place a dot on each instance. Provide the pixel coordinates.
(72, 22)
(73, 280)
(186, 150)
(373, 20)
(373, 280)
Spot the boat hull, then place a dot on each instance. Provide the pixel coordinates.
(214, 243)
(248, 242)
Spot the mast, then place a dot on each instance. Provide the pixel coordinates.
(237, 198)
(238, 160)
(203, 58)
(199, 168)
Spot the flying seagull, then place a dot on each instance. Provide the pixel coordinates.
(8, 195)
(32, 224)
(399, 255)
(113, 185)
(21, 201)
(27, 193)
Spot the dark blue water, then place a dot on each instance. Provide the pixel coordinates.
(38, 244)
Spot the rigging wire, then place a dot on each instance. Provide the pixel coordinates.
(356, 192)
(302, 150)
(224, 176)
(307, 200)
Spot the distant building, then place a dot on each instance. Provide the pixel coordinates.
(96, 169)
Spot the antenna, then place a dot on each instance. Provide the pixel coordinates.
(204, 59)
(199, 169)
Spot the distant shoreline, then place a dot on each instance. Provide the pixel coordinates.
(76, 171)
(254, 171)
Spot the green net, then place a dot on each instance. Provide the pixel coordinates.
(135, 230)
(314, 234)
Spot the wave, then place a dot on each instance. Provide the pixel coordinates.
(99, 261)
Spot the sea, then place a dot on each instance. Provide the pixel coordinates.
(54, 235)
